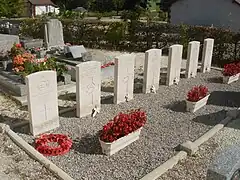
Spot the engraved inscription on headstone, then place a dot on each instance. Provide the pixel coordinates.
(124, 78)
(174, 64)
(207, 55)
(152, 70)
(192, 59)
(88, 82)
(42, 101)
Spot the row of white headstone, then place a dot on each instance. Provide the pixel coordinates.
(42, 86)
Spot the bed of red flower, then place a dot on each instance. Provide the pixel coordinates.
(231, 72)
(197, 97)
(124, 129)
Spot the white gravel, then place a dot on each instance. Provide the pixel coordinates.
(168, 125)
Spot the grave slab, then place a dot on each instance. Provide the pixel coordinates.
(124, 78)
(42, 101)
(174, 64)
(88, 87)
(152, 70)
(192, 59)
(207, 55)
(76, 51)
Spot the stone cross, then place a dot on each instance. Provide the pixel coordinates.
(88, 92)
(174, 64)
(192, 59)
(124, 78)
(42, 101)
(207, 55)
(152, 67)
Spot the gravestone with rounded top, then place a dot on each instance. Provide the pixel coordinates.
(88, 92)
(192, 59)
(53, 34)
(226, 166)
(207, 55)
(174, 64)
(152, 70)
(42, 101)
(124, 78)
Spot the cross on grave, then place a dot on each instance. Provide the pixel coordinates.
(126, 81)
(90, 88)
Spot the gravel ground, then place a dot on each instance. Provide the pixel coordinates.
(168, 125)
(195, 168)
(15, 164)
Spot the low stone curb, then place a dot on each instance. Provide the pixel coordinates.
(33, 153)
(156, 173)
(189, 148)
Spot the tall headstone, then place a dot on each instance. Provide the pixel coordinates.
(152, 70)
(88, 92)
(192, 59)
(54, 34)
(124, 78)
(207, 55)
(226, 166)
(42, 101)
(174, 64)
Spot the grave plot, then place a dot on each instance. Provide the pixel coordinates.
(168, 125)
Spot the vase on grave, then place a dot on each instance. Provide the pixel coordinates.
(231, 79)
(194, 106)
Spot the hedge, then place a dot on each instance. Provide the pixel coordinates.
(138, 37)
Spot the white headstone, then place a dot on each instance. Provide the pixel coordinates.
(42, 101)
(152, 67)
(207, 55)
(54, 33)
(124, 78)
(88, 92)
(77, 51)
(192, 59)
(174, 64)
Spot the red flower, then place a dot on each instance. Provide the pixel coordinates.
(231, 69)
(122, 125)
(197, 93)
(18, 45)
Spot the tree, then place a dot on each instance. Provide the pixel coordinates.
(11, 8)
(118, 4)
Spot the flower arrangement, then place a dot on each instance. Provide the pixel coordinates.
(107, 65)
(197, 93)
(231, 69)
(42, 146)
(122, 125)
(17, 49)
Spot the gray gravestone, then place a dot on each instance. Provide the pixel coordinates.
(6, 43)
(42, 101)
(152, 70)
(174, 64)
(76, 51)
(226, 165)
(207, 55)
(54, 34)
(88, 92)
(192, 59)
(124, 78)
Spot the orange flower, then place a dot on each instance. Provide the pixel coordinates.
(18, 45)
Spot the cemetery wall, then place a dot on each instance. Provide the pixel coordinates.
(138, 36)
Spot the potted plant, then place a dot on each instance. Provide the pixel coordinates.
(124, 129)
(197, 97)
(231, 73)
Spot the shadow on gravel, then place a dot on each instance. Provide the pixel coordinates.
(88, 144)
(225, 98)
(178, 106)
(68, 97)
(211, 119)
(107, 100)
(215, 80)
(68, 114)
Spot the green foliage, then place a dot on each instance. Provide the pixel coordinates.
(11, 8)
(138, 36)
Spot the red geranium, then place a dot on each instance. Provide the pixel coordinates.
(197, 93)
(122, 125)
(107, 65)
(231, 69)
